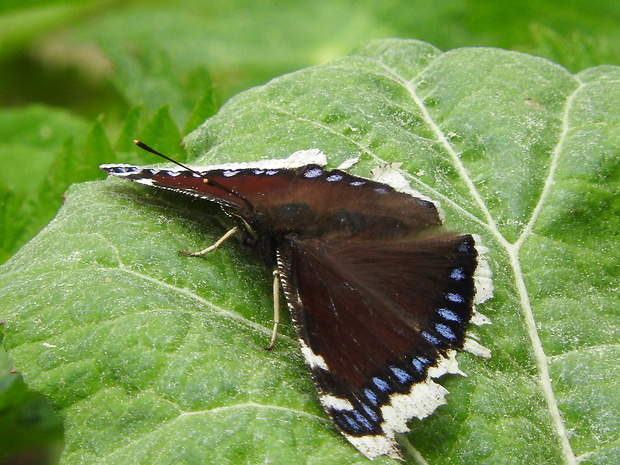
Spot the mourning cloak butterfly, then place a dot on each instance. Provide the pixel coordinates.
(379, 295)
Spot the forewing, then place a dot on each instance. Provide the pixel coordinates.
(363, 205)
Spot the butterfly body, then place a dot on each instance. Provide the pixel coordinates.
(380, 296)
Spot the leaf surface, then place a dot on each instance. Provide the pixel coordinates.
(153, 357)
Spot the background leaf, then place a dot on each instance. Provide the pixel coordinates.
(41, 136)
(153, 357)
(120, 64)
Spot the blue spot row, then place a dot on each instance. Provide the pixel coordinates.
(313, 173)
(123, 169)
(457, 274)
(334, 177)
(371, 396)
(355, 421)
(419, 363)
(454, 297)
(464, 247)
(449, 315)
(382, 385)
(230, 173)
(174, 174)
(370, 412)
(361, 420)
(430, 338)
(445, 331)
(234, 172)
(402, 375)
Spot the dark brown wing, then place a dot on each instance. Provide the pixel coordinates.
(306, 198)
(373, 317)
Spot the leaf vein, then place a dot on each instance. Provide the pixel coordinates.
(183, 415)
(541, 358)
(183, 291)
(452, 153)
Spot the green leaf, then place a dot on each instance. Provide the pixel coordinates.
(578, 51)
(162, 132)
(128, 131)
(150, 80)
(32, 143)
(33, 133)
(153, 357)
(19, 24)
(204, 108)
(27, 421)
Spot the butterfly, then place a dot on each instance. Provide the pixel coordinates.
(380, 295)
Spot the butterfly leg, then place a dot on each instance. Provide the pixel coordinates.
(211, 248)
(276, 309)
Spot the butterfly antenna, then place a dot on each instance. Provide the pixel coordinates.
(143, 146)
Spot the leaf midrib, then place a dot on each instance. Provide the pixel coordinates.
(513, 250)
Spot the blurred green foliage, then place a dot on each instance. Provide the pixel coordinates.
(80, 79)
